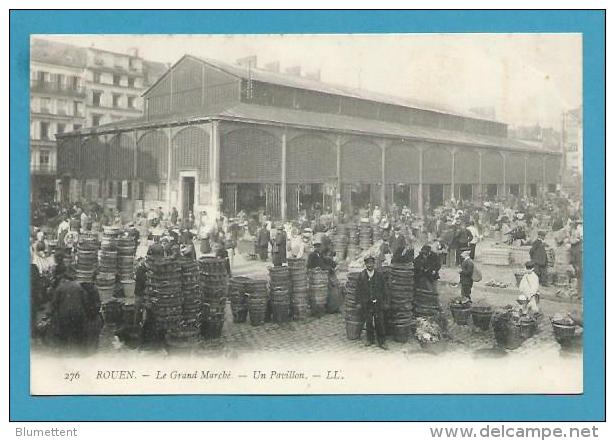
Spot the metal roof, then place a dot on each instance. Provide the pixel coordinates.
(255, 114)
(299, 82)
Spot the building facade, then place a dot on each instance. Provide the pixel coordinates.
(223, 138)
(62, 99)
(572, 140)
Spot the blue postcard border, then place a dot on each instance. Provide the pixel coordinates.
(589, 406)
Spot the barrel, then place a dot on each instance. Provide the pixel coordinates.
(481, 316)
(319, 289)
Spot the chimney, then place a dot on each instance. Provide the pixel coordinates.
(274, 66)
(313, 75)
(249, 61)
(293, 70)
(133, 52)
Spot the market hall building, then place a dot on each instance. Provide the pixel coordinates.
(224, 138)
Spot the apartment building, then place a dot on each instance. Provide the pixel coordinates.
(73, 87)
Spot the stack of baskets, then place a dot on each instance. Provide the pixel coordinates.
(340, 241)
(86, 261)
(519, 255)
(353, 241)
(191, 295)
(365, 235)
(426, 301)
(126, 250)
(257, 301)
(376, 233)
(239, 298)
(280, 285)
(107, 261)
(319, 290)
(213, 284)
(401, 295)
(164, 292)
(499, 256)
(299, 299)
(109, 237)
(352, 308)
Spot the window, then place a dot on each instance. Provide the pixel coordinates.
(131, 102)
(117, 79)
(76, 126)
(77, 108)
(101, 186)
(118, 188)
(60, 81)
(61, 128)
(131, 82)
(96, 78)
(162, 191)
(44, 158)
(75, 82)
(41, 75)
(96, 98)
(141, 195)
(116, 99)
(110, 192)
(96, 120)
(45, 105)
(44, 130)
(61, 107)
(129, 190)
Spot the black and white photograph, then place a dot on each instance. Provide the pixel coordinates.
(306, 214)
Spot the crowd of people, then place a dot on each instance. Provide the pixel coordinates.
(445, 236)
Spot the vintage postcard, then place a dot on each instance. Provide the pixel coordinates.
(306, 214)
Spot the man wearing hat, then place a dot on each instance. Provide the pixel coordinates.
(317, 259)
(538, 256)
(427, 269)
(278, 246)
(371, 290)
(68, 312)
(465, 275)
(397, 242)
(262, 242)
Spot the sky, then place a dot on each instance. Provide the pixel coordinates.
(528, 78)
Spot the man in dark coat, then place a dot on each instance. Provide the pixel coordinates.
(427, 269)
(397, 242)
(262, 242)
(538, 256)
(67, 308)
(462, 241)
(278, 247)
(93, 317)
(371, 290)
(465, 275)
(317, 259)
(404, 254)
